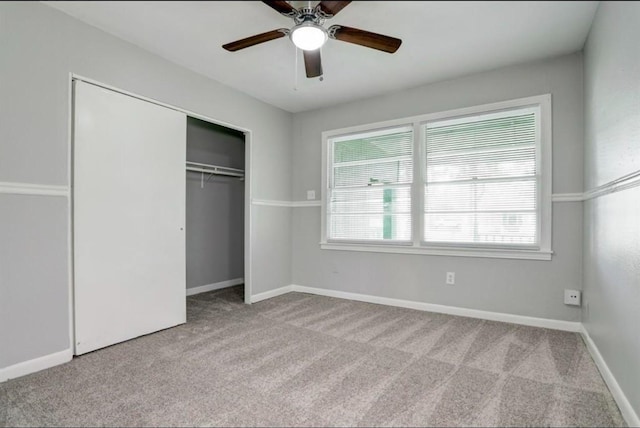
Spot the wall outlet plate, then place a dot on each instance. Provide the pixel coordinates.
(572, 297)
(451, 278)
(311, 195)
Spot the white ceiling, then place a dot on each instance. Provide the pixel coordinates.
(441, 40)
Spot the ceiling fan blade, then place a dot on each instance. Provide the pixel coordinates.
(331, 8)
(312, 63)
(364, 38)
(282, 7)
(255, 40)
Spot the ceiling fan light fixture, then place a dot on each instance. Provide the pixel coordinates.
(308, 36)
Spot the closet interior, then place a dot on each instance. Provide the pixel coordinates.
(214, 207)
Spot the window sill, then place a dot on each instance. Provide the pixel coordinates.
(431, 251)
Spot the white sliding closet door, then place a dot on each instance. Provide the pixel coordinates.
(129, 217)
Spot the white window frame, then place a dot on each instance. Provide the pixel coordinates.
(543, 166)
(368, 133)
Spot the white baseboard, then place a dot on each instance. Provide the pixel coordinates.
(35, 365)
(214, 286)
(442, 309)
(271, 293)
(629, 415)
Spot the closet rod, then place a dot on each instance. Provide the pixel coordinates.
(218, 172)
(223, 168)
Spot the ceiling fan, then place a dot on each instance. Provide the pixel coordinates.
(309, 34)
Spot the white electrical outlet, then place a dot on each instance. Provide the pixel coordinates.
(311, 194)
(451, 278)
(572, 297)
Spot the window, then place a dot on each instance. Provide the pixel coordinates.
(472, 182)
(481, 181)
(370, 186)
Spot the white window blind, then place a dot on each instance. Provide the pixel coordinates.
(481, 184)
(370, 186)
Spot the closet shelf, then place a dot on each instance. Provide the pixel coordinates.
(214, 169)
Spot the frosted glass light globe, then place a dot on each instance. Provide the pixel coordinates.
(308, 36)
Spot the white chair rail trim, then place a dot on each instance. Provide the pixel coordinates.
(13, 188)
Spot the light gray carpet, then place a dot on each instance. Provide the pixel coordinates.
(303, 360)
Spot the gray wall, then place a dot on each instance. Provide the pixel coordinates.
(612, 222)
(215, 212)
(40, 46)
(522, 287)
(33, 239)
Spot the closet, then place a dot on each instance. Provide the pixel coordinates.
(215, 206)
(147, 224)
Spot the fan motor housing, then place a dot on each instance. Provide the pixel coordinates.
(308, 15)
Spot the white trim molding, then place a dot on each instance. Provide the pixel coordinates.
(286, 204)
(215, 286)
(567, 197)
(12, 188)
(35, 365)
(629, 415)
(556, 197)
(306, 204)
(271, 203)
(625, 182)
(443, 309)
(433, 251)
(271, 293)
(614, 186)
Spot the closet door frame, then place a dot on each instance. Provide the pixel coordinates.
(248, 212)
